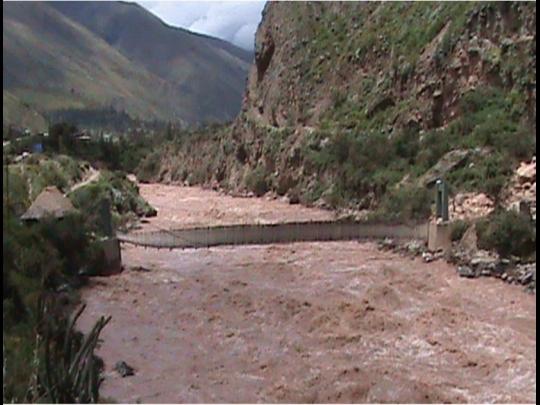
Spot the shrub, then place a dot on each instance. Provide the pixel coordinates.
(338, 98)
(406, 204)
(333, 196)
(458, 229)
(38, 259)
(406, 145)
(241, 153)
(123, 196)
(508, 233)
(16, 192)
(69, 238)
(284, 183)
(149, 167)
(488, 174)
(257, 182)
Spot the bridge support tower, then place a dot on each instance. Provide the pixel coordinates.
(439, 232)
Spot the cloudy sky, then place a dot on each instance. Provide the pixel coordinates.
(233, 21)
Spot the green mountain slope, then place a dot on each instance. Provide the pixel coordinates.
(15, 111)
(209, 71)
(53, 62)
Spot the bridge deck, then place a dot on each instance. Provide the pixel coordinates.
(271, 233)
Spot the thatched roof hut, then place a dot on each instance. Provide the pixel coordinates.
(49, 203)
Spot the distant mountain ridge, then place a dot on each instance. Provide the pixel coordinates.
(72, 56)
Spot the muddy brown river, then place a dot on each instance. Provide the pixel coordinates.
(303, 322)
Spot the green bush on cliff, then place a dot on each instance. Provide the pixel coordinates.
(508, 233)
(486, 174)
(256, 181)
(362, 163)
(407, 204)
(458, 229)
(371, 160)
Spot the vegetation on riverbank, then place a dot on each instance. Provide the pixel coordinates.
(360, 167)
(124, 200)
(66, 163)
(508, 233)
(43, 266)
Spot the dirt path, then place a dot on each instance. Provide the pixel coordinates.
(323, 322)
(92, 176)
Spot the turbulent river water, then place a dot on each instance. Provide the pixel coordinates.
(303, 322)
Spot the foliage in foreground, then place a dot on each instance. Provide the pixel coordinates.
(64, 368)
(41, 261)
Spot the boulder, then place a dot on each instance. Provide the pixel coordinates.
(526, 273)
(387, 244)
(469, 241)
(522, 207)
(485, 263)
(447, 163)
(471, 205)
(428, 257)
(124, 369)
(466, 271)
(526, 173)
(415, 247)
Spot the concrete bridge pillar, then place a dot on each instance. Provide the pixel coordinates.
(112, 256)
(439, 236)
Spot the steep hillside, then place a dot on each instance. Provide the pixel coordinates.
(15, 111)
(362, 104)
(208, 72)
(64, 56)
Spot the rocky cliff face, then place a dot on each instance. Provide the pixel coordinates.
(312, 56)
(347, 102)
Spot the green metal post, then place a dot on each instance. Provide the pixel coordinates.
(442, 200)
(6, 165)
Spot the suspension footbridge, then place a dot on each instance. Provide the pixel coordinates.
(260, 234)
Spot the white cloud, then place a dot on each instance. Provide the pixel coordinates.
(245, 36)
(233, 21)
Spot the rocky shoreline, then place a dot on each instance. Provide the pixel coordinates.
(480, 263)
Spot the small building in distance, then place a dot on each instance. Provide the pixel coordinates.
(49, 203)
